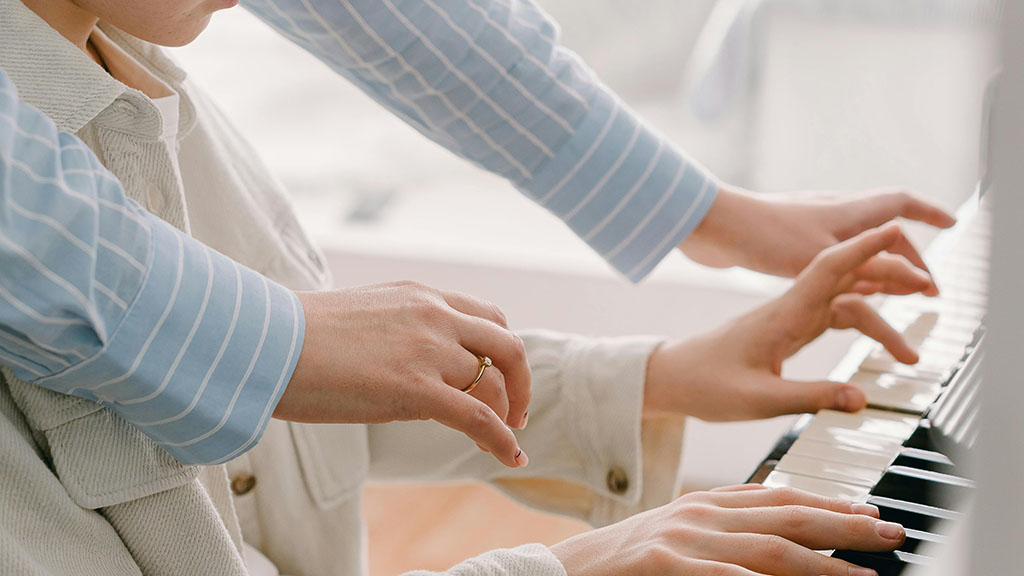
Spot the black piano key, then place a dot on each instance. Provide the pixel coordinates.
(913, 520)
(885, 564)
(921, 439)
(927, 492)
(920, 464)
(911, 544)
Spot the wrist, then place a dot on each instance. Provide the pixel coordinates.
(667, 368)
(714, 241)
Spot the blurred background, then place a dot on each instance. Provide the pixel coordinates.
(772, 95)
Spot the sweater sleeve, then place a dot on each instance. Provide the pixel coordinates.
(528, 560)
(102, 300)
(491, 81)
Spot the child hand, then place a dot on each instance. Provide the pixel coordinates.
(734, 373)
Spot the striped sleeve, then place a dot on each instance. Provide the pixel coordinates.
(102, 300)
(489, 80)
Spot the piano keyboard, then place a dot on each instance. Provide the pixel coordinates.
(904, 453)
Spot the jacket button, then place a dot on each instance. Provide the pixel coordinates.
(243, 484)
(617, 480)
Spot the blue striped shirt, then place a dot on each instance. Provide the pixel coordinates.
(101, 299)
(489, 80)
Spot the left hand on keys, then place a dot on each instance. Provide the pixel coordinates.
(781, 234)
(734, 373)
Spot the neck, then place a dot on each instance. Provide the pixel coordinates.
(66, 17)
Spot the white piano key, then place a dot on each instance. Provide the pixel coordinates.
(884, 366)
(840, 436)
(870, 421)
(874, 460)
(940, 330)
(895, 393)
(827, 470)
(827, 488)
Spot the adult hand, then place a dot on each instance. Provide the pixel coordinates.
(404, 351)
(735, 372)
(740, 530)
(781, 234)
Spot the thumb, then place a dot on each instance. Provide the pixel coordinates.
(789, 397)
(462, 412)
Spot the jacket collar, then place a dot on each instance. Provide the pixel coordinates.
(56, 77)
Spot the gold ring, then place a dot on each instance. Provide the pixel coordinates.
(485, 363)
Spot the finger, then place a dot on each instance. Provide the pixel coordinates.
(739, 488)
(773, 554)
(780, 497)
(816, 529)
(464, 413)
(696, 567)
(780, 397)
(853, 312)
(895, 273)
(866, 287)
(829, 272)
(903, 247)
(508, 354)
(474, 306)
(490, 389)
(884, 205)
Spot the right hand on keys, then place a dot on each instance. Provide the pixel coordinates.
(744, 530)
(403, 351)
(735, 373)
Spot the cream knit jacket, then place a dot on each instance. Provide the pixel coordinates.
(84, 493)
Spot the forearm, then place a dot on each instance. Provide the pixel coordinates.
(489, 80)
(100, 299)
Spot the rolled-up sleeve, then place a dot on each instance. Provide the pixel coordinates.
(102, 300)
(593, 454)
(528, 560)
(489, 80)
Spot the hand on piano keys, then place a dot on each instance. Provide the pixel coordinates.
(740, 530)
(909, 453)
(734, 373)
(782, 234)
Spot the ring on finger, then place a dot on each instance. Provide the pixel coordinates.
(485, 363)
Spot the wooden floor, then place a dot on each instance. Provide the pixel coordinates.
(433, 527)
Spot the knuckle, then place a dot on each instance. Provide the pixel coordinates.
(496, 314)
(697, 512)
(719, 569)
(774, 547)
(783, 496)
(796, 517)
(482, 417)
(660, 559)
(858, 524)
(517, 348)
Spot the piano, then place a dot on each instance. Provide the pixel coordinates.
(908, 452)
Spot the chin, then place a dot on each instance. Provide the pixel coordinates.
(180, 35)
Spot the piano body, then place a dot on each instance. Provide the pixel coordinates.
(939, 450)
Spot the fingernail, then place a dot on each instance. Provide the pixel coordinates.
(889, 530)
(521, 458)
(858, 571)
(866, 509)
(522, 424)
